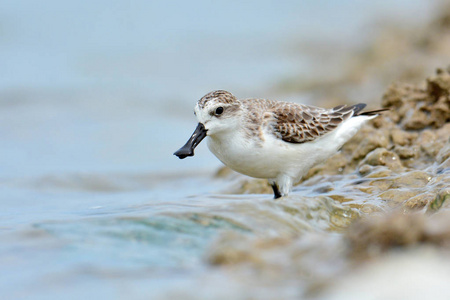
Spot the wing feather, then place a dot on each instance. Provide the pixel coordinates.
(297, 123)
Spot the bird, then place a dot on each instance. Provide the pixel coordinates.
(276, 140)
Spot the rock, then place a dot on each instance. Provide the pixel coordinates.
(398, 195)
(365, 169)
(417, 119)
(334, 165)
(439, 85)
(374, 139)
(443, 197)
(415, 108)
(383, 157)
(402, 138)
(382, 184)
(372, 235)
(443, 133)
(412, 179)
(429, 143)
(440, 112)
(419, 201)
(399, 94)
(253, 186)
(379, 172)
(410, 152)
(444, 153)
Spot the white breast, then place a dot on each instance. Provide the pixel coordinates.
(272, 156)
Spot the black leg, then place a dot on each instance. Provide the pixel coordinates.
(276, 191)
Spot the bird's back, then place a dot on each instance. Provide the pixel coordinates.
(296, 123)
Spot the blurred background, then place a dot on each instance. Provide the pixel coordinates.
(95, 96)
(101, 86)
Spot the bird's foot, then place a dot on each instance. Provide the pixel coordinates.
(276, 191)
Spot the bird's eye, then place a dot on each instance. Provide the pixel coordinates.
(219, 110)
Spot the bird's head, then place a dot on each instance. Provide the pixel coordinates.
(217, 112)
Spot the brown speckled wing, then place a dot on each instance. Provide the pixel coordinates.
(297, 123)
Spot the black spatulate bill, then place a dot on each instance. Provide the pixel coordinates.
(195, 139)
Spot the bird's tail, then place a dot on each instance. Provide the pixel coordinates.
(370, 112)
(357, 110)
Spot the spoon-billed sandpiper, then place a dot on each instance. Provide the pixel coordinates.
(276, 140)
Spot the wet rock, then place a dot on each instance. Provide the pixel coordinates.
(365, 169)
(444, 153)
(383, 157)
(441, 199)
(406, 153)
(370, 208)
(398, 195)
(343, 217)
(412, 179)
(381, 184)
(441, 182)
(378, 172)
(419, 201)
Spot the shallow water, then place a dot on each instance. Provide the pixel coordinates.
(98, 242)
(92, 202)
(77, 236)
